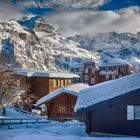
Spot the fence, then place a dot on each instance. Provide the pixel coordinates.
(5, 121)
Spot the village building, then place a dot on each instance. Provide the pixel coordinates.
(59, 104)
(113, 68)
(108, 69)
(89, 72)
(41, 83)
(77, 69)
(112, 107)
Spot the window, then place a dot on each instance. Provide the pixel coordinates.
(137, 112)
(112, 68)
(86, 77)
(130, 112)
(86, 70)
(66, 82)
(106, 68)
(69, 81)
(113, 76)
(55, 82)
(62, 82)
(133, 112)
(92, 80)
(106, 77)
(122, 69)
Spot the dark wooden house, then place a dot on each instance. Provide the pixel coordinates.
(59, 104)
(112, 107)
(41, 83)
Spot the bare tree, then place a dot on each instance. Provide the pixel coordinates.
(8, 86)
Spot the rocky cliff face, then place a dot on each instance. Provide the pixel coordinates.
(34, 44)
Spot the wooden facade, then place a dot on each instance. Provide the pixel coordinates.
(121, 115)
(41, 86)
(61, 107)
(59, 104)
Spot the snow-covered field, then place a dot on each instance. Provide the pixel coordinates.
(71, 130)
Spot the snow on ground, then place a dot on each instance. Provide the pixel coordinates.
(71, 130)
(15, 113)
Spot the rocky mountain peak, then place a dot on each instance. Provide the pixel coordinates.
(34, 44)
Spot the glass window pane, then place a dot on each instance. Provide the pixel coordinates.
(137, 112)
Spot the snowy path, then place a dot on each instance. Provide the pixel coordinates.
(52, 131)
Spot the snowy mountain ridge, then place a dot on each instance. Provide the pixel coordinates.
(34, 44)
(112, 44)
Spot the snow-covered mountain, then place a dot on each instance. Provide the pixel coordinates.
(122, 45)
(34, 44)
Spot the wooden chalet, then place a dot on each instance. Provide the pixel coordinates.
(41, 83)
(108, 69)
(113, 68)
(59, 104)
(112, 107)
(89, 73)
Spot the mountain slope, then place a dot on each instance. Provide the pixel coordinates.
(34, 44)
(122, 45)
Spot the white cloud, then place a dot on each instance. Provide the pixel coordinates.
(62, 4)
(90, 22)
(9, 11)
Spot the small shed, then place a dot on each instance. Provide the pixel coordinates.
(59, 104)
(112, 107)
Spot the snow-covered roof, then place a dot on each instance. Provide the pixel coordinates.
(73, 89)
(76, 66)
(107, 90)
(103, 72)
(37, 73)
(113, 62)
